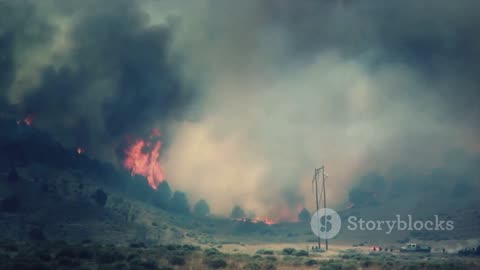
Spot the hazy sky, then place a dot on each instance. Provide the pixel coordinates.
(251, 95)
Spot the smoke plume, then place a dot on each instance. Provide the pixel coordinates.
(251, 96)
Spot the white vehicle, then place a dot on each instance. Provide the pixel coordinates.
(412, 247)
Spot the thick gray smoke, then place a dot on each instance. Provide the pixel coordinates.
(252, 95)
(90, 72)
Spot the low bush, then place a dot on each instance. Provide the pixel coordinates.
(100, 197)
(110, 256)
(288, 251)
(177, 260)
(144, 264)
(301, 253)
(311, 262)
(216, 262)
(264, 252)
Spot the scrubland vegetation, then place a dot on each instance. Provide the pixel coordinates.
(138, 256)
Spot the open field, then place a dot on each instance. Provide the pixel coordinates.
(86, 256)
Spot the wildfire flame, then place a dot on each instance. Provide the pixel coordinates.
(283, 214)
(80, 150)
(266, 221)
(28, 120)
(142, 158)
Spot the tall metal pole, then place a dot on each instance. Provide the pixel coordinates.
(324, 202)
(315, 179)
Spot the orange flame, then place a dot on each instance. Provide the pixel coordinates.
(282, 214)
(28, 120)
(266, 221)
(143, 159)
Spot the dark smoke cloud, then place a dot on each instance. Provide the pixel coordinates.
(356, 86)
(434, 38)
(115, 77)
(279, 87)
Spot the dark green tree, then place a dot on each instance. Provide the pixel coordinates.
(304, 215)
(100, 197)
(163, 195)
(179, 203)
(201, 208)
(237, 212)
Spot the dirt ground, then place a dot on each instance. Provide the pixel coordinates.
(252, 248)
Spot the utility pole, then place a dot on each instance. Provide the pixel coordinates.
(324, 202)
(322, 193)
(315, 181)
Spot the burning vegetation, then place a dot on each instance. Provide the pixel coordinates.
(142, 158)
(80, 150)
(27, 120)
(281, 214)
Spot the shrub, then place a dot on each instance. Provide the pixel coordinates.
(68, 262)
(138, 245)
(100, 197)
(304, 215)
(179, 203)
(117, 266)
(264, 252)
(144, 264)
(301, 253)
(44, 255)
(12, 247)
(288, 251)
(211, 252)
(201, 208)
(252, 266)
(330, 265)
(177, 260)
(271, 258)
(66, 252)
(110, 257)
(132, 257)
(162, 195)
(187, 247)
(269, 266)
(85, 254)
(216, 262)
(237, 212)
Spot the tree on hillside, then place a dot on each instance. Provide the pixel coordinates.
(304, 215)
(100, 197)
(179, 203)
(237, 212)
(201, 208)
(162, 195)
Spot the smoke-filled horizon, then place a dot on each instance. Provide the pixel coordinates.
(251, 96)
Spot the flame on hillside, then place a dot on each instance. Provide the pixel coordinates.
(28, 120)
(142, 158)
(282, 214)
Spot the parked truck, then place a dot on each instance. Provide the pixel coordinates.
(412, 247)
